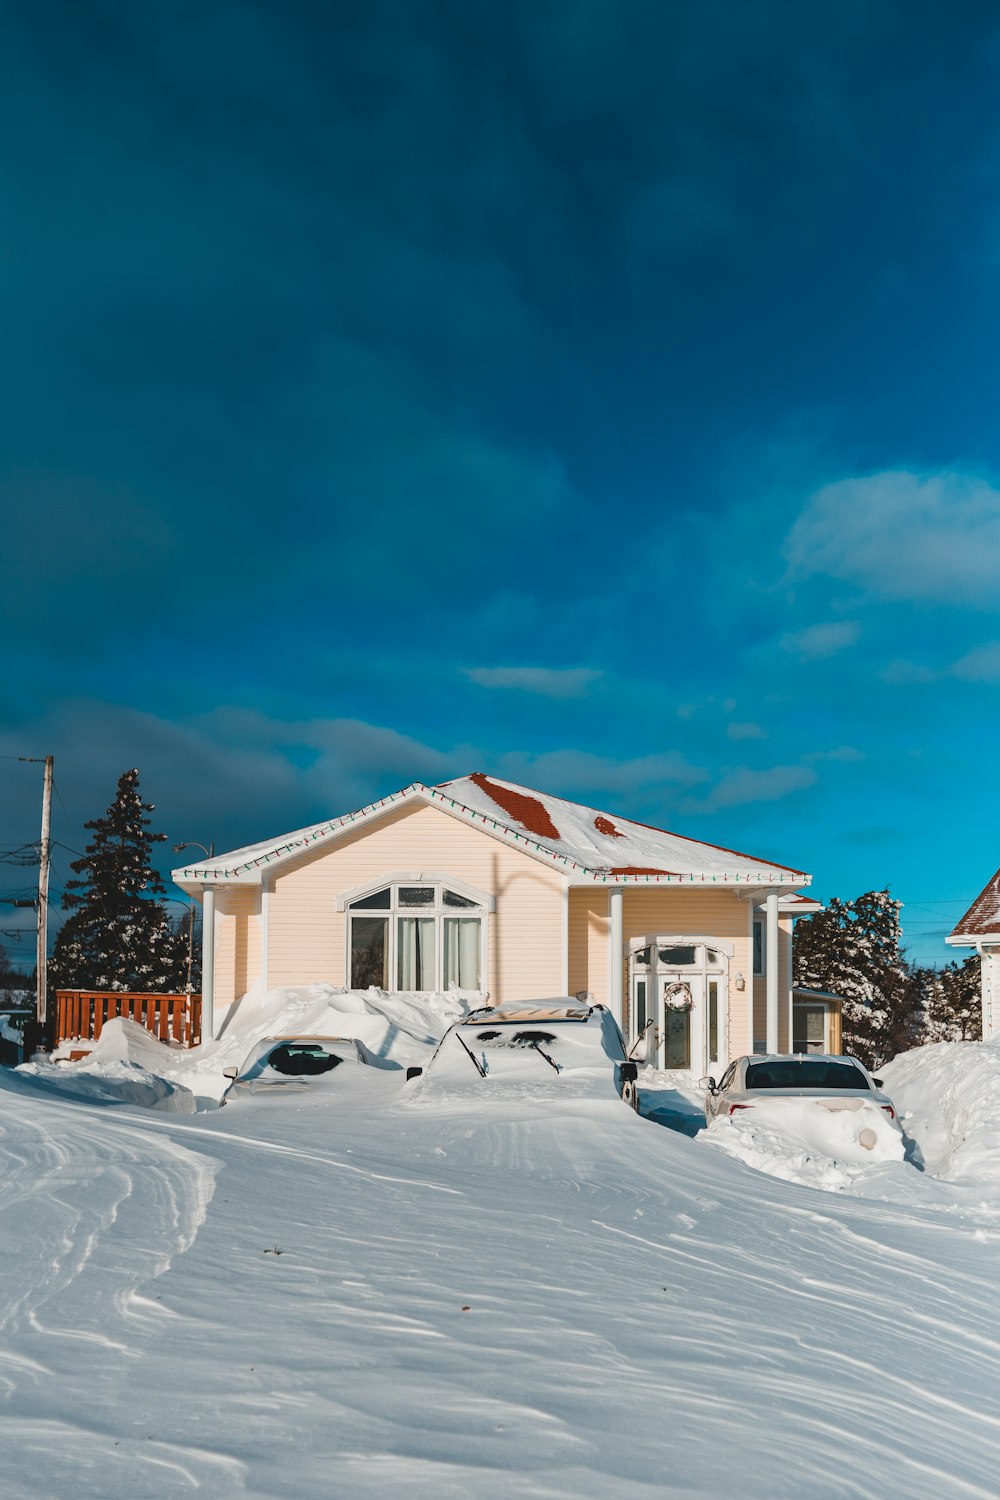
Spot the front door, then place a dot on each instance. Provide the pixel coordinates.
(678, 990)
(679, 1019)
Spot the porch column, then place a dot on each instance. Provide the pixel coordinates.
(989, 962)
(789, 985)
(265, 891)
(208, 964)
(615, 954)
(771, 968)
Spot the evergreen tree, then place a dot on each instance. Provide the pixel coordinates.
(852, 949)
(119, 936)
(953, 1002)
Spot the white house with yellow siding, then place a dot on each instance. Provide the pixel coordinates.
(505, 893)
(980, 929)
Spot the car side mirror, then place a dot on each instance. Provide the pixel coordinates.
(630, 1072)
(708, 1083)
(877, 1082)
(230, 1073)
(413, 1073)
(638, 1052)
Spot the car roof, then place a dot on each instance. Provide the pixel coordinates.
(308, 1036)
(830, 1057)
(528, 1010)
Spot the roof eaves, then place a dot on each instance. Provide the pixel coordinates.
(205, 875)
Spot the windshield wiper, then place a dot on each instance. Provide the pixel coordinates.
(550, 1060)
(472, 1057)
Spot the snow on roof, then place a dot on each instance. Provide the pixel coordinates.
(983, 917)
(607, 845)
(587, 844)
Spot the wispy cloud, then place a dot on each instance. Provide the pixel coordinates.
(904, 536)
(818, 641)
(844, 753)
(745, 731)
(901, 673)
(982, 664)
(578, 773)
(547, 682)
(743, 785)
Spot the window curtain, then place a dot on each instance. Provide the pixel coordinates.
(461, 953)
(416, 953)
(368, 955)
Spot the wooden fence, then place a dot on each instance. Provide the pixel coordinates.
(82, 1014)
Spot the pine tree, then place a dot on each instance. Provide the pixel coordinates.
(852, 949)
(953, 1002)
(119, 936)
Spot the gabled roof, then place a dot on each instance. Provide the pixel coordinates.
(587, 845)
(982, 919)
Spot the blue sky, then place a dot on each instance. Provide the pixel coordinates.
(602, 395)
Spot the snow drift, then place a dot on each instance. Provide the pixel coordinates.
(948, 1097)
(129, 1065)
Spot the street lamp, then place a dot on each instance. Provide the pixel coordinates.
(189, 908)
(207, 945)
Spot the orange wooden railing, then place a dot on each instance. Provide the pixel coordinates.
(82, 1014)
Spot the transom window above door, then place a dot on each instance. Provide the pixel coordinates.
(678, 956)
(417, 936)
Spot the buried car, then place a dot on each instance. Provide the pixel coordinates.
(532, 1047)
(298, 1060)
(772, 1082)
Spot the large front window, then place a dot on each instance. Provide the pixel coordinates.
(427, 937)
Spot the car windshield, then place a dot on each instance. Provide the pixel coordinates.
(298, 1059)
(804, 1073)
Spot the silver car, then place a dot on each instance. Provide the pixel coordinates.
(835, 1083)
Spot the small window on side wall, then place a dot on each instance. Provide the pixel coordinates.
(758, 949)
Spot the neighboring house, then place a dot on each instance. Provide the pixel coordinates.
(495, 890)
(16, 1007)
(817, 1020)
(980, 929)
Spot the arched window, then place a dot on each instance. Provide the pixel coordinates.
(416, 936)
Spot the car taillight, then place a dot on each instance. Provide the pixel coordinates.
(734, 1107)
(889, 1111)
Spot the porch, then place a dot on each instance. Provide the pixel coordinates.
(81, 1015)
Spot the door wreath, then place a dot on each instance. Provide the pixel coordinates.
(678, 996)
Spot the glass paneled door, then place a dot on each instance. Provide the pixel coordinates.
(678, 993)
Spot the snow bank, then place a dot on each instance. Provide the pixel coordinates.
(948, 1097)
(801, 1141)
(130, 1065)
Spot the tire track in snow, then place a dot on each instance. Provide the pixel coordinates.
(92, 1209)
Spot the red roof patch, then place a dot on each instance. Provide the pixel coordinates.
(605, 825)
(528, 811)
(639, 870)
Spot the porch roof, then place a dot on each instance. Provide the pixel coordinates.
(586, 845)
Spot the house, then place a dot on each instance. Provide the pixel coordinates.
(498, 891)
(817, 1020)
(980, 929)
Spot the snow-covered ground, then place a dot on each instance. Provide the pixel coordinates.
(369, 1292)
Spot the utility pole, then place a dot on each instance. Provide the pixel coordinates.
(44, 852)
(44, 856)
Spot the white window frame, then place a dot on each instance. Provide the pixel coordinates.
(485, 905)
(758, 926)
